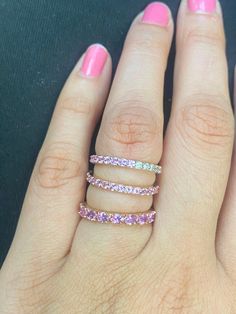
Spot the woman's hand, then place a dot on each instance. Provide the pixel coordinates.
(186, 261)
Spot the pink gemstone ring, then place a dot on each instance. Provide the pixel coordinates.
(116, 218)
(127, 163)
(121, 188)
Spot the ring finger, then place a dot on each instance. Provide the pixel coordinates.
(131, 128)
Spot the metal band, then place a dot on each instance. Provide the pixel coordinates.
(121, 188)
(122, 162)
(116, 218)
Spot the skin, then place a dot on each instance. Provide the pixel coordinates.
(186, 261)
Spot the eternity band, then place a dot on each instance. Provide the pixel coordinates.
(121, 188)
(127, 163)
(116, 218)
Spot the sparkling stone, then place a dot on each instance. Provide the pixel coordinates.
(91, 215)
(146, 166)
(132, 163)
(102, 217)
(107, 160)
(116, 219)
(131, 219)
(144, 192)
(129, 189)
(83, 212)
(124, 162)
(121, 189)
(136, 190)
(113, 187)
(139, 165)
(115, 161)
(151, 217)
(94, 159)
(106, 185)
(100, 159)
(143, 219)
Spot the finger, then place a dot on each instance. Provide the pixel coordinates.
(226, 231)
(132, 128)
(49, 215)
(199, 139)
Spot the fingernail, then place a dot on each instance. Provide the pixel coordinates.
(156, 13)
(94, 60)
(206, 6)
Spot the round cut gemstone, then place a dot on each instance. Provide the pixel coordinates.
(138, 165)
(146, 166)
(115, 161)
(100, 159)
(129, 189)
(151, 217)
(83, 212)
(136, 190)
(124, 162)
(131, 219)
(91, 215)
(121, 189)
(116, 219)
(102, 217)
(143, 219)
(107, 160)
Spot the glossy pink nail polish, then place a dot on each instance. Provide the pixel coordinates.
(206, 6)
(94, 60)
(156, 13)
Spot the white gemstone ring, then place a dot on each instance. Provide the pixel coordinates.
(127, 163)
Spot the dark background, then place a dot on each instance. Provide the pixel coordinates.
(40, 42)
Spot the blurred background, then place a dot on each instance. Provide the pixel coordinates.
(40, 43)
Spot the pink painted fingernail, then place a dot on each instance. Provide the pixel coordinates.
(206, 6)
(94, 60)
(156, 13)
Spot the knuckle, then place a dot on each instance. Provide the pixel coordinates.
(141, 42)
(204, 122)
(58, 166)
(78, 105)
(196, 36)
(132, 126)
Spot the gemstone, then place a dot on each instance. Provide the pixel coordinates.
(102, 217)
(116, 219)
(151, 217)
(143, 219)
(83, 212)
(107, 160)
(129, 189)
(145, 192)
(91, 215)
(136, 190)
(138, 165)
(124, 162)
(146, 166)
(100, 159)
(115, 161)
(131, 219)
(121, 188)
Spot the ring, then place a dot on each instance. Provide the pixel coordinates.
(127, 163)
(121, 188)
(116, 218)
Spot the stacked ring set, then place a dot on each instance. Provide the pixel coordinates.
(120, 218)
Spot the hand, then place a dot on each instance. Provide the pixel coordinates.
(186, 261)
